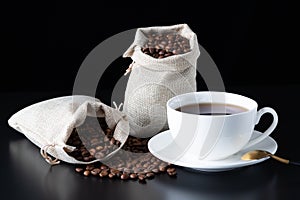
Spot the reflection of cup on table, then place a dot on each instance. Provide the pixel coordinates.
(215, 125)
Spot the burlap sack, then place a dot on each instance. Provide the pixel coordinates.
(48, 124)
(153, 81)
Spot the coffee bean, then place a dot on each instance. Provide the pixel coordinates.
(92, 151)
(89, 167)
(112, 141)
(150, 175)
(172, 173)
(85, 153)
(86, 173)
(124, 176)
(151, 50)
(99, 148)
(78, 169)
(99, 155)
(162, 168)
(171, 170)
(133, 176)
(110, 175)
(142, 178)
(103, 173)
(95, 171)
(86, 158)
(103, 167)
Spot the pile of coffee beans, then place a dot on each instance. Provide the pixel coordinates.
(164, 45)
(132, 162)
(91, 141)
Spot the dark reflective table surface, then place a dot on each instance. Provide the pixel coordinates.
(25, 175)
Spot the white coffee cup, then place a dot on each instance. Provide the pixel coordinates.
(214, 137)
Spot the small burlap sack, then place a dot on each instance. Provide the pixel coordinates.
(153, 81)
(49, 124)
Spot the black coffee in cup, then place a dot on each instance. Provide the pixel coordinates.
(211, 109)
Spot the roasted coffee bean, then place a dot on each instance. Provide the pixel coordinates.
(78, 169)
(102, 167)
(124, 176)
(89, 167)
(95, 171)
(86, 159)
(171, 170)
(150, 175)
(133, 176)
(99, 148)
(172, 173)
(162, 168)
(99, 155)
(103, 173)
(110, 175)
(86, 173)
(142, 178)
(92, 151)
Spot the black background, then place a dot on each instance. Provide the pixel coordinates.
(43, 45)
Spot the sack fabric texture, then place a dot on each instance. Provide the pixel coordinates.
(50, 123)
(153, 82)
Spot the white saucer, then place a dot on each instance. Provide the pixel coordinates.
(163, 147)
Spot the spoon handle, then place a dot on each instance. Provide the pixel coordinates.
(294, 163)
(285, 160)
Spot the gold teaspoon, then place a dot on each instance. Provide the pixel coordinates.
(258, 154)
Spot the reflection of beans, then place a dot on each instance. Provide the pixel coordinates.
(165, 45)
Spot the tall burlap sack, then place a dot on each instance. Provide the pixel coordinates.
(49, 124)
(153, 81)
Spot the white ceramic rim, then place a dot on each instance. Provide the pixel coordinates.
(244, 100)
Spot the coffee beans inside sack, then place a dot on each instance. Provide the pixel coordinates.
(133, 161)
(166, 44)
(163, 65)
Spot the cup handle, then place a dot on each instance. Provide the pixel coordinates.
(269, 130)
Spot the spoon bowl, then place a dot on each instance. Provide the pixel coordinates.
(259, 154)
(255, 155)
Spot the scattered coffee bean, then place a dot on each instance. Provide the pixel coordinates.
(86, 173)
(95, 171)
(110, 175)
(142, 178)
(134, 162)
(124, 176)
(78, 169)
(150, 175)
(172, 173)
(89, 167)
(162, 168)
(133, 176)
(171, 169)
(103, 173)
